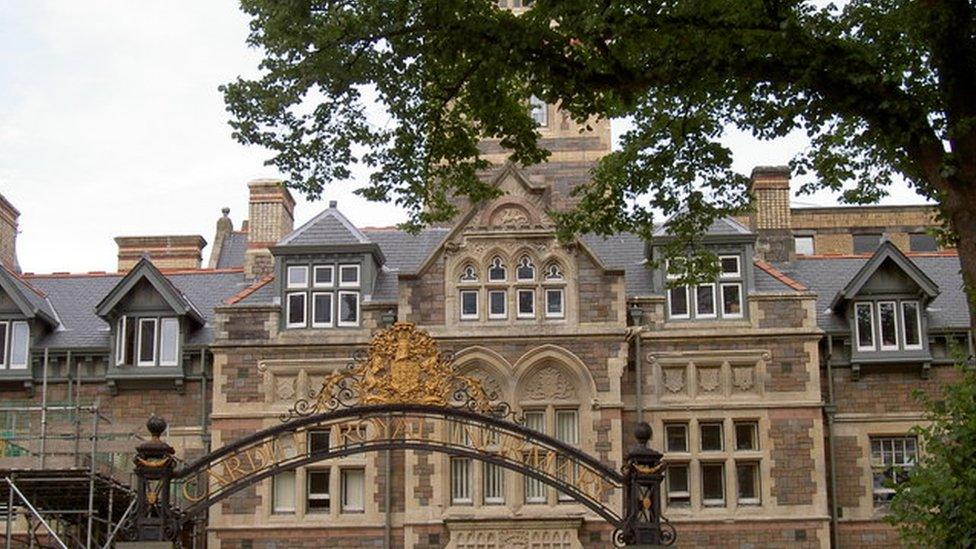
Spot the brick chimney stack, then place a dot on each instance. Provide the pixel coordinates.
(165, 251)
(271, 217)
(770, 215)
(8, 234)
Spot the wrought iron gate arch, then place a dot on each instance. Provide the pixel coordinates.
(389, 411)
(403, 377)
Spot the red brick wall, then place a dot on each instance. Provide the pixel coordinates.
(887, 388)
(755, 535)
(867, 535)
(793, 465)
(849, 476)
(785, 313)
(598, 298)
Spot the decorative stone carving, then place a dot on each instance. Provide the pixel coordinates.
(489, 383)
(285, 387)
(674, 379)
(516, 536)
(743, 377)
(510, 216)
(708, 379)
(550, 384)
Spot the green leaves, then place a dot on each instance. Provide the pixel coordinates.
(935, 506)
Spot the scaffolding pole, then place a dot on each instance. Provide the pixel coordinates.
(44, 409)
(10, 512)
(91, 481)
(27, 503)
(125, 515)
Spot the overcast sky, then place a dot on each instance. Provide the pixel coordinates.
(111, 124)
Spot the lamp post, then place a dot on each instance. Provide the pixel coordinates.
(637, 316)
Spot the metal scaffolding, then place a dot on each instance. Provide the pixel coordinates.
(68, 503)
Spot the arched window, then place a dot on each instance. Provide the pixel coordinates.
(550, 403)
(496, 271)
(525, 269)
(469, 274)
(553, 272)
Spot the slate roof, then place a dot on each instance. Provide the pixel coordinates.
(828, 275)
(34, 297)
(328, 227)
(74, 297)
(623, 251)
(405, 252)
(721, 226)
(232, 251)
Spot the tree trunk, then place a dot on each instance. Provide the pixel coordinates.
(960, 205)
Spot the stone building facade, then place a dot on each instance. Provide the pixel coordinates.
(780, 393)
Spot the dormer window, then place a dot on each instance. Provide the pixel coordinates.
(318, 305)
(147, 341)
(887, 325)
(720, 299)
(14, 344)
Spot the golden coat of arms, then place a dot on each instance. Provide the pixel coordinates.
(403, 365)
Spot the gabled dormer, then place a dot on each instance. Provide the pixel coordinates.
(325, 270)
(149, 319)
(25, 314)
(722, 299)
(885, 306)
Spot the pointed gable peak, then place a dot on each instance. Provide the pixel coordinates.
(144, 270)
(329, 227)
(887, 253)
(31, 302)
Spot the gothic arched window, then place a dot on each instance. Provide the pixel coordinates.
(496, 271)
(553, 272)
(469, 274)
(525, 269)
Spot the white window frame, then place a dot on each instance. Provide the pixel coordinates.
(3, 344)
(757, 481)
(176, 353)
(667, 269)
(562, 303)
(722, 300)
(345, 506)
(685, 494)
(276, 505)
(518, 303)
(296, 268)
(713, 502)
(526, 262)
(714, 313)
(536, 104)
(468, 316)
(738, 267)
(687, 314)
(490, 472)
(318, 496)
(332, 277)
(350, 284)
(463, 483)
(332, 310)
(119, 341)
(151, 362)
(13, 339)
(346, 323)
(502, 315)
(857, 327)
(813, 246)
(288, 322)
(499, 263)
(905, 464)
(894, 318)
(667, 439)
(904, 328)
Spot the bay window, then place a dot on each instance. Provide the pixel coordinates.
(315, 303)
(147, 341)
(296, 310)
(888, 325)
(321, 309)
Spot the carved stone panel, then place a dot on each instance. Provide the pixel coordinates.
(709, 380)
(675, 381)
(547, 534)
(743, 379)
(550, 383)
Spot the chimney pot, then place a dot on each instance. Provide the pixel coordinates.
(333, 203)
(226, 211)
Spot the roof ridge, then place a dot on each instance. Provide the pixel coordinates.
(779, 275)
(167, 272)
(943, 253)
(249, 290)
(333, 212)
